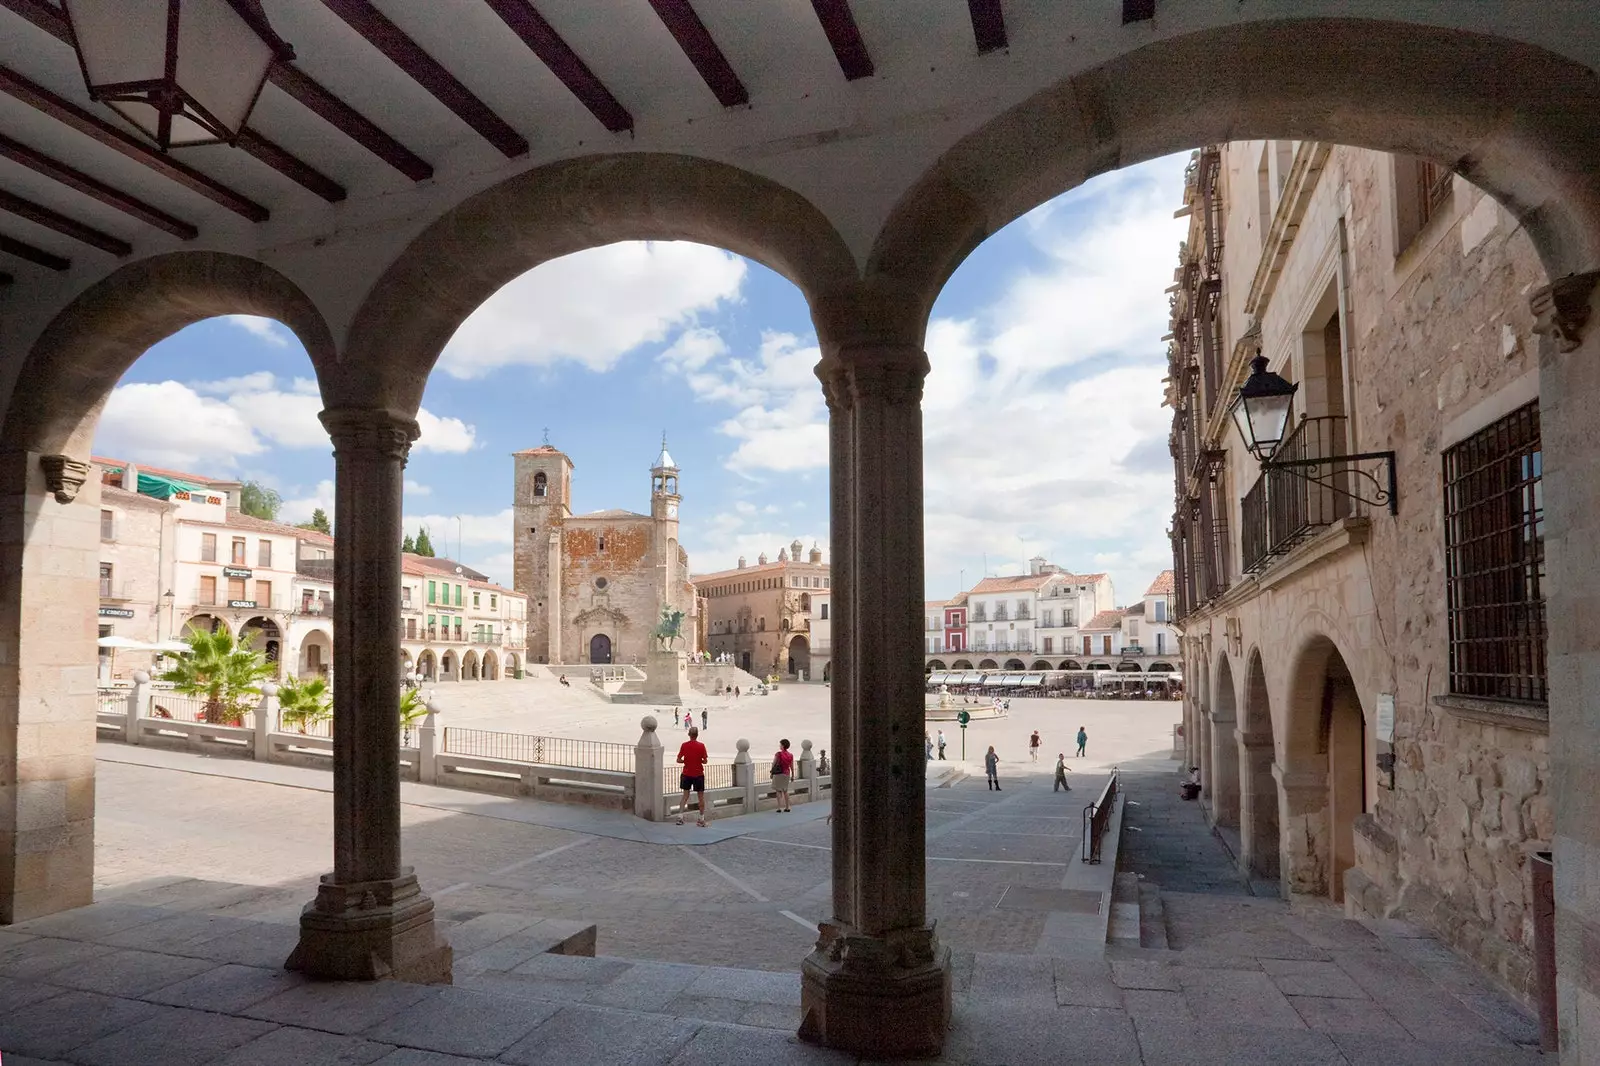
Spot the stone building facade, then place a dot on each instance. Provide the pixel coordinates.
(1366, 689)
(596, 583)
(762, 615)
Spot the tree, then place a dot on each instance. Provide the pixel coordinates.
(304, 702)
(258, 501)
(412, 709)
(424, 546)
(408, 545)
(227, 675)
(318, 523)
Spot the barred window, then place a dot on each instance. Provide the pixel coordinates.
(1494, 560)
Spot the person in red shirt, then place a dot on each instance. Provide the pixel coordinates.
(782, 771)
(692, 755)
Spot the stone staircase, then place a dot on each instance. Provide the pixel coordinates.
(1137, 917)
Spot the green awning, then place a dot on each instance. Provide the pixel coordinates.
(164, 488)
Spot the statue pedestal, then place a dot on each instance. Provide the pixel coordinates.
(667, 677)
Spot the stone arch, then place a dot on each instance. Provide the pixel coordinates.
(1015, 664)
(1070, 664)
(1160, 668)
(1129, 668)
(935, 664)
(1223, 771)
(492, 237)
(1328, 768)
(1261, 841)
(987, 664)
(491, 666)
(315, 656)
(469, 665)
(961, 664)
(1040, 665)
(1385, 85)
(450, 666)
(263, 634)
(204, 623)
(799, 656)
(513, 665)
(428, 664)
(79, 357)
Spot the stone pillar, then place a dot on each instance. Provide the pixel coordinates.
(49, 548)
(428, 746)
(1259, 826)
(138, 706)
(1306, 833)
(1569, 396)
(1221, 777)
(807, 768)
(744, 775)
(877, 957)
(370, 919)
(266, 721)
(649, 773)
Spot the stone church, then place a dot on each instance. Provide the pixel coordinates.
(596, 583)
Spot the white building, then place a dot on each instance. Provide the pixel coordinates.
(821, 635)
(1147, 627)
(1032, 619)
(457, 625)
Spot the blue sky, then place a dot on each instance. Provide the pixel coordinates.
(1043, 427)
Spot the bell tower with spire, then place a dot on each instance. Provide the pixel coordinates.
(664, 501)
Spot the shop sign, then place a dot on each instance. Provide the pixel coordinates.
(115, 612)
(241, 603)
(236, 571)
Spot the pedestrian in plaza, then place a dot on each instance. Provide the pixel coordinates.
(705, 719)
(736, 692)
(692, 757)
(991, 767)
(674, 716)
(1061, 773)
(782, 770)
(565, 682)
(1033, 746)
(927, 742)
(941, 745)
(823, 769)
(1083, 740)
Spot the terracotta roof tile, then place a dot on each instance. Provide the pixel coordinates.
(238, 520)
(1017, 583)
(1163, 585)
(1105, 620)
(158, 471)
(933, 604)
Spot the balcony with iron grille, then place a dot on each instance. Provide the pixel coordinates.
(1286, 507)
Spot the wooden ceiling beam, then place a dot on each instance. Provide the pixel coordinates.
(70, 114)
(542, 39)
(695, 40)
(95, 189)
(69, 227)
(374, 26)
(12, 246)
(988, 24)
(258, 147)
(845, 37)
(307, 91)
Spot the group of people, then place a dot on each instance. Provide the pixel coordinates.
(688, 720)
(692, 756)
(721, 659)
(991, 761)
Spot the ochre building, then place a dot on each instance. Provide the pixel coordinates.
(762, 614)
(596, 583)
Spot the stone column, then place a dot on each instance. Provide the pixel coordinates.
(138, 706)
(266, 721)
(1305, 830)
(428, 746)
(649, 773)
(878, 982)
(1221, 777)
(370, 919)
(806, 767)
(1259, 828)
(1569, 397)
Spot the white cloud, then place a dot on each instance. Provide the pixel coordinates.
(212, 424)
(299, 509)
(267, 329)
(443, 434)
(718, 542)
(417, 488)
(594, 307)
(476, 530)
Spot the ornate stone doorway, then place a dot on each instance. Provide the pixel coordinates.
(600, 648)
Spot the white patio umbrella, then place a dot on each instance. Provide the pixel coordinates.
(169, 647)
(114, 642)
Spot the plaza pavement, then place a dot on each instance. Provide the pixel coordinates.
(203, 865)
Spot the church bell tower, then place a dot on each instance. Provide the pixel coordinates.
(664, 501)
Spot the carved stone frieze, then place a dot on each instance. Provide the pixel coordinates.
(1562, 309)
(63, 476)
(365, 432)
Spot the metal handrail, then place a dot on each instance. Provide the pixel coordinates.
(1096, 817)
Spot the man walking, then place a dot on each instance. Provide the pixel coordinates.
(692, 756)
(1083, 740)
(941, 745)
(991, 767)
(1061, 773)
(1033, 746)
(705, 719)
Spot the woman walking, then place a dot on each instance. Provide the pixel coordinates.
(991, 767)
(782, 768)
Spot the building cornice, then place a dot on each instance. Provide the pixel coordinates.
(1304, 172)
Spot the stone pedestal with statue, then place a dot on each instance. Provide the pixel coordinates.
(666, 667)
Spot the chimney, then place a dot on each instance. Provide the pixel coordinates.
(1036, 565)
(816, 554)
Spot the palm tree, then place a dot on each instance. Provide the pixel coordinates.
(304, 703)
(412, 708)
(226, 674)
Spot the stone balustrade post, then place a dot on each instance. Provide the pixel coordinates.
(138, 705)
(370, 919)
(876, 957)
(649, 773)
(744, 775)
(428, 746)
(266, 721)
(808, 772)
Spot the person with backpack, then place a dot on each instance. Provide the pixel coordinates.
(782, 770)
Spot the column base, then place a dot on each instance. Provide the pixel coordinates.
(878, 996)
(371, 931)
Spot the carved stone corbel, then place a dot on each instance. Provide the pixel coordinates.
(63, 476)
(1561, 309)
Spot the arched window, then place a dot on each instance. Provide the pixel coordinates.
(805, 601)
(541, 484)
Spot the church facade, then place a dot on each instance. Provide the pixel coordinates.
(596, 583)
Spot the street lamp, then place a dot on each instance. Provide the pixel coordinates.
(184, 72)
(1261, 409)
(166, 601)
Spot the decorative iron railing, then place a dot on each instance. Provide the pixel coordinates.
(545, 751)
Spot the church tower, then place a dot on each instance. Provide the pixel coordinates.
(542, 502)
(664, 501)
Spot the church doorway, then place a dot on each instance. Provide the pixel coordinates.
(744, 661)
(600, 648)
(799, 657)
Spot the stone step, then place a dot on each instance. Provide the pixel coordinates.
(1124, 927)
(1152, 916)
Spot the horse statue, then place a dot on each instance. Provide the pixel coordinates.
(669, 630)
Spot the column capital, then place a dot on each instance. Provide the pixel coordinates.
(1562, 309)
(63, 476)
(370, 431)
(892, 375)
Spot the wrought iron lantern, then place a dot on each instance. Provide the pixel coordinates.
(1262, 408)
(184, 72)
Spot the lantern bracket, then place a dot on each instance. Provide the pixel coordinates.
(1379, 488)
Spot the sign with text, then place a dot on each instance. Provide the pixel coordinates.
(236, 571)
(115, 612)
(241, 603)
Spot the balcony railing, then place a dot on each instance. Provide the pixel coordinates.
(115, 591)
(1284, 507)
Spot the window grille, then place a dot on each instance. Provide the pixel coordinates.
(1494, 560)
